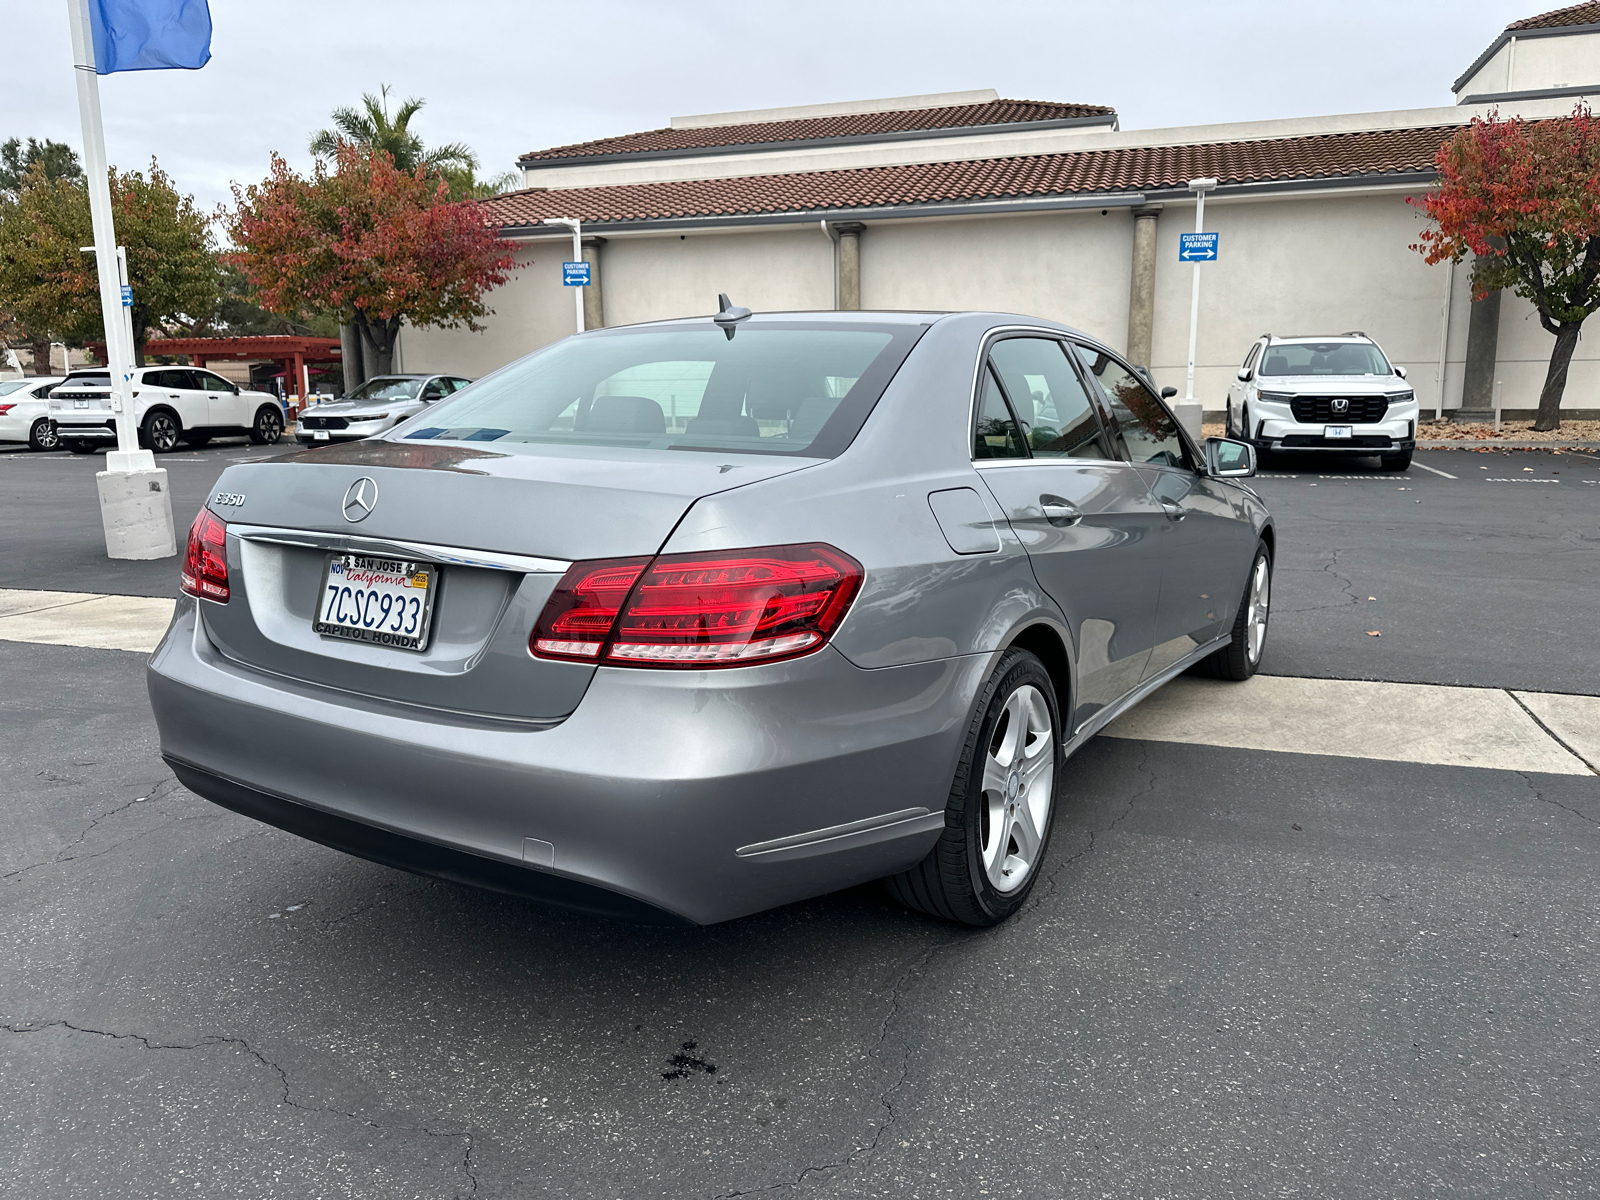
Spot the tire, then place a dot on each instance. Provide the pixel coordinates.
(43, 435)
(1397, 462)
(1240, 658)
(267, 428)
(995, 804)
(1229, 430)
(161, 431)
(80, 446)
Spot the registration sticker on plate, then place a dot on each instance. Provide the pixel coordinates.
(1336, 431)
(385, 601)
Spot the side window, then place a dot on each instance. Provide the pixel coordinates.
(1148, 429)
(207, 382)
(997, 435)
(157, 379)
(1048, 398)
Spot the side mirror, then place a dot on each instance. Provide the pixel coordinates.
(1400, 371)
(1244, 374)
(1167, 393)
(1228, 459)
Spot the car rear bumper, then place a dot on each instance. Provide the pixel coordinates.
(683, 796)
(102, 432)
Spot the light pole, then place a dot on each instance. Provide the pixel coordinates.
(1189, 409)
(576, 226)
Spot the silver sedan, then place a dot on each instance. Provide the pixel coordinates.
(685, 620)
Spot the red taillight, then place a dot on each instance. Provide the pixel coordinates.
(724, 609)
(205, 560)
(5, 408)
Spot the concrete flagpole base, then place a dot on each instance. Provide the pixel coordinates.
(136, 508)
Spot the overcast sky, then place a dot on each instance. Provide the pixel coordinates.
(508, 77)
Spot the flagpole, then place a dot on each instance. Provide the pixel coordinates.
(138, 523)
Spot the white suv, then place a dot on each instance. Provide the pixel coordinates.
(1337, 394)
(170, 404)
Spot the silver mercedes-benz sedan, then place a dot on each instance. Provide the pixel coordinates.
(685, 620)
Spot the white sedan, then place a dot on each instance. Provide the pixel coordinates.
(24, 412)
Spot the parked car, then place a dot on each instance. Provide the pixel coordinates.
(25, 412)
(379, 404)
(676, 625)
(171, 405)
(1330, 395)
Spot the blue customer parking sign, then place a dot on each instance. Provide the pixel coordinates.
(575, 274)
(1198, 247)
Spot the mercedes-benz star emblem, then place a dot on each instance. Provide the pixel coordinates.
(361, 499)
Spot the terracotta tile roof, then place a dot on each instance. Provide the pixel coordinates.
(1324, 156)
(1573, 14)
(851, 125)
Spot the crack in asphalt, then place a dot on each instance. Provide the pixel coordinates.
(1539, 795)
(158, 791)
(385, 894)
(902, 985)
(1327, 568)
(27, 1027)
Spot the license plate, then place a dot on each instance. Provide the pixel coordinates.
(384, 601)
(319, 435)
(1336, 431)
(80, 404)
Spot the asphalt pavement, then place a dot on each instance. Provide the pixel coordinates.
(1247, 972)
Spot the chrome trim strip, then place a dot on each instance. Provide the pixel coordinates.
(882, 821)
(1111, 712)
(394, 548)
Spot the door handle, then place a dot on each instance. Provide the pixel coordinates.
(1060, 512)
(1174, 510)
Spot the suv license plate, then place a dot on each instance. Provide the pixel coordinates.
(1336, 431)
(383, 601)
(319, 435)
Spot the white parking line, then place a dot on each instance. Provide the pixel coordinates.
(1434, 470)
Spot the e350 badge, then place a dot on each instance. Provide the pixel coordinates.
(228, 499)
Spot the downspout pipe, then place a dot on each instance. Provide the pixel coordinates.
(833, 236)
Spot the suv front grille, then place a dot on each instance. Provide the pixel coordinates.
(1319, 410)
(323, 423)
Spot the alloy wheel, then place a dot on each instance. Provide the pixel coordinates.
(1255, 622)
(162, 431)
(269, 427)
(45, 435)
(1019, 775)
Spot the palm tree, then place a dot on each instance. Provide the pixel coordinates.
(372, 126)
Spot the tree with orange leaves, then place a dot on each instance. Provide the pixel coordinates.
(1524, 198)
(369, 244)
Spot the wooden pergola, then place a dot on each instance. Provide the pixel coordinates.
(294, 354)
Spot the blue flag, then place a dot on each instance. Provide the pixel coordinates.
(150, 35)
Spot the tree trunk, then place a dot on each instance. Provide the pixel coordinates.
(377, 343)
(1555, 380)
(41, 357)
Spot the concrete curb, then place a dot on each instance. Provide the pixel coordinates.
(1503, 444)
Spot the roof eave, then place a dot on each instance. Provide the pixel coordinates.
(998, 206)
(1507, 35)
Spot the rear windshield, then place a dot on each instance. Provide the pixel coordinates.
(798, 388)
(384, 388)
(1325, 358)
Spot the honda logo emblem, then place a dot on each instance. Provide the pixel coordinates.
(1341, 405)
(361, 499)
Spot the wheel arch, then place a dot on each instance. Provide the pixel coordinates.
(1048, 644)
(163, 408)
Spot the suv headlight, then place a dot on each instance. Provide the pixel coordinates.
(1405, 397)
(370, 417)
(1275, 397)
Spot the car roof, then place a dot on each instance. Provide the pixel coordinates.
(1300, 338)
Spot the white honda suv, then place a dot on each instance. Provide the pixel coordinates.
(1337, 395)
(170, 404)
